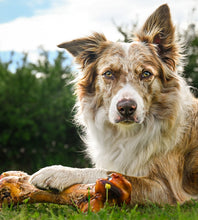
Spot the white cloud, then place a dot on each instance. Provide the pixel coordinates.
(69, 19)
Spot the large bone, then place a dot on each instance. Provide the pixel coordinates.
(16, 189)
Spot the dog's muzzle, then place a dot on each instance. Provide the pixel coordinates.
(126, 109)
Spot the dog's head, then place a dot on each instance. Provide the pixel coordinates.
(130, 81)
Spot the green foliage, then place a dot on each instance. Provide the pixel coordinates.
(36, 127)
(191, 67)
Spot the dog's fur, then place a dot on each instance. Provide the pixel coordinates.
(156, 145)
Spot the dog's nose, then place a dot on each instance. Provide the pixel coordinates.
(126, 107)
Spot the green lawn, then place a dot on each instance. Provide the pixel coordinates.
(58, 212)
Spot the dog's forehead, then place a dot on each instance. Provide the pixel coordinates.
(124, 54)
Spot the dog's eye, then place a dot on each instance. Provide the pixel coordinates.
(145, 75)
(108, 75)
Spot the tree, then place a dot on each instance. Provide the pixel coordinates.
(191, 67)
(36, 127)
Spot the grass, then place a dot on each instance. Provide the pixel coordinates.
(60, 212)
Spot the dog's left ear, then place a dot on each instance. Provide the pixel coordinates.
(85, 50)
(158, 29)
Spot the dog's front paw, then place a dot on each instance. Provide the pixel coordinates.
(53, 178)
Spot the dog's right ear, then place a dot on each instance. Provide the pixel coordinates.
(85, 50)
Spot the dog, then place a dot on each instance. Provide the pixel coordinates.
(139, 116)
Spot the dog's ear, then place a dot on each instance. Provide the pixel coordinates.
(158, 29)
(85, 50)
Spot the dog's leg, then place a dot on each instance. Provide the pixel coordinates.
(155, 190)
(60, 177)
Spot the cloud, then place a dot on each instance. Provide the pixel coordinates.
(70, 19)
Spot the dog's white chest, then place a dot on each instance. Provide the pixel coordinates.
(120, 156)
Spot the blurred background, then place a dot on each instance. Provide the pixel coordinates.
(36, 99)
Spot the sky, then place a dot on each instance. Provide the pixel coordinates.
(25, 25)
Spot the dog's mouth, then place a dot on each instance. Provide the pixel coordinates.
(127, 121)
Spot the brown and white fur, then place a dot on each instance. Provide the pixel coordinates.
(138, 114)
